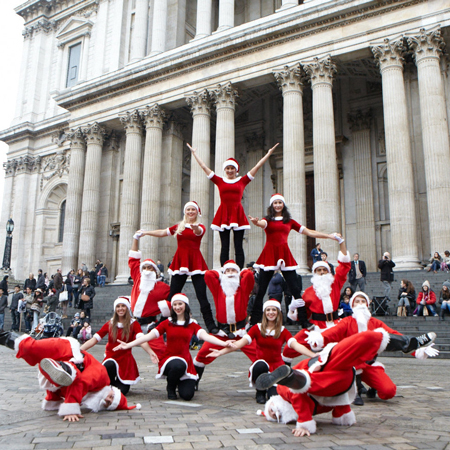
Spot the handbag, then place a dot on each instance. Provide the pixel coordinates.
(85, 298)
(63, 296)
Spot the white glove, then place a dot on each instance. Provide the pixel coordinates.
(314, 339)
(296, 303)
(137, 235)
(338, 238)
(425, 352)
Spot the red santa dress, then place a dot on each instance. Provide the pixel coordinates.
(231, 310)
(178, 339)
(188, 259)
(154, 302)
(230, 213)
(268, 349)
(276, 253)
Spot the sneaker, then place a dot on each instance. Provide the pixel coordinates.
(267, 380)
(59, 372)
(358, 401)
(422, 341)
(261, 397)
(371, 393)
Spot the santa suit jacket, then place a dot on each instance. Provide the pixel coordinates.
(231, 309)
(155, 303)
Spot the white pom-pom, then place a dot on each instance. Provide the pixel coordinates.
(138, 406)
(259, 412)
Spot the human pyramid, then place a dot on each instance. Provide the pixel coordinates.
(340, 353)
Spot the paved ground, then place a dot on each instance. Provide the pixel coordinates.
(222, 413)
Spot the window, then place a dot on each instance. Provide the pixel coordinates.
(62, 216)
(74, 65)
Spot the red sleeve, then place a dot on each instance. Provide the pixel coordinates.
(216, 180)
(295, 226)
(431, 298)
(162, 327)
(135, 330)
(419, 298)
(285, 335)
(196, 327)
(247, 282)
(254, 331)
(246, 179)
(104, 330)
(213, 282)
(338, 332)
(341, 273)
(203, 228)
(380, 324)
(173, 229)
(134, 265)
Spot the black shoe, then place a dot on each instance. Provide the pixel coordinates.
(358, 401)
(199, 371)
(59, 372)
(271, 392)
(261, 397)
(172, 393)
(7, 339)
(267, 380)
(424, 340)
(371, 393)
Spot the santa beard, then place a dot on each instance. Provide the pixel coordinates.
(230, 283)
(148, 281)
(362, 316)
(322, 288)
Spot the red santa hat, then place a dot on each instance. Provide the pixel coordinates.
(272, 302)
(123, 301)
(321, 264)
(180, 298)
(230, 264)
(149, 262)
(277, 197)
(359, 294)
(231, 162)
(95, 401)
(195, 205)
(283, 410)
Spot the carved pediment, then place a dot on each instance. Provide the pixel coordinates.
(74, 28)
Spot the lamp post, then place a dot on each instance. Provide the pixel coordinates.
(8, 245)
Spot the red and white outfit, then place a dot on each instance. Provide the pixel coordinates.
(231, 310)
(268, 349)
(188, 259)
(178, 339)
(276, 253)
(146, 304)
(230, 214)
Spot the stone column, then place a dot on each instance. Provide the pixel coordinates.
(159, 27)
(85, 57)
(294, 184)
(226, 14)
(139, 44)
(129, 206)
(204, 10)
(74, 199)
(403, 227)
(285, 4)
(200, 186)
(326, 177)
(153, 117)
(91, 194)
(428, 46)
(360, 123)
(225, 100)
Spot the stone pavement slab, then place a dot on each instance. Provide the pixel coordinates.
(224, 413)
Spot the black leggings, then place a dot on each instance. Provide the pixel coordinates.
(174, 370)
(111, 368)
(238, 249)
(264, 279)
(176, 285)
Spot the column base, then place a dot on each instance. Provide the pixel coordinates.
(283, 7)
(303, 270)
(121, 279)
(200, 36)
(223, 28)
(407, 264)
(154, 53)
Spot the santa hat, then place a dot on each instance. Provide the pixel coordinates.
(123, 301)
(359, 294)
(320, 264)
(95, 401)
(149, 262)
(277, 197)
(272, 302)
(231, 162)
(180, 298)
(195, 205)
(230, 264)
(283, 410)
(123, 404)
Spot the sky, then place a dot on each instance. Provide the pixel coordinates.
(11, 39)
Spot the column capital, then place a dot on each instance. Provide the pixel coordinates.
(389, 53)
(76, 137)
(360, 120)
(426, 44)
(153, 116)
(320, 70)
(10, 167)
(26, 164)
(224, 96)
(131, 121)
(199, 102)
(94, 133)
(290, 78)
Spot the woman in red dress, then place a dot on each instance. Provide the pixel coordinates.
(188, 259)
(276, 255)
(270, 336)
(176, 364)
(230, 215)
(121, 366)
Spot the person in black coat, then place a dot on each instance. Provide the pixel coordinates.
(387, 275)
(41, 281)
(357, 274)
(30, 282)
(4, 284)
(88, 290)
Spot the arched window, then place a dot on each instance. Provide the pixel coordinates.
(62, 216)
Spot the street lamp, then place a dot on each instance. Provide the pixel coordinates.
(8, 245)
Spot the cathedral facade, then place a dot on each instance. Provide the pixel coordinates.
(356, 92)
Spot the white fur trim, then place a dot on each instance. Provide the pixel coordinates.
(180, 298)
(230, 162)
(67, 409)
(345, 398)
(94, 400)
(347, 419)
(50, 405)
(46, 384)
(211, 175)
(198, 364)
(274, 303)
(123, 301)
(290, 341)
(359, 294)
(250, 370)
(249, 339)
(250, 176)
(77, 356)
(311, 426)
(231, 265)
(284, 410)
(194, 205)
(150, 262)
(318, 264)
(165, 311)
(134, 254)
(18, 340)
(306, 387)
(277, 197)
(185, 376)
(286, 359)
(129, 382)
(385, 340)
(98, 337)
(281, 265)
(344, 258)
(138, 406)
(156, 333)
(117, 398)
(186, 271)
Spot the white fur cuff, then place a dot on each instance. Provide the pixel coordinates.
(306, 387)
(310, 426)
(164, 308)
(49, 405)
(347, 419)
(344, 258)
(135, 255)
(69, 408)
(18, 340)
(384, 341)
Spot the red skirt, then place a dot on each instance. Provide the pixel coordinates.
(276, 257)
(230, 217)
(188, 263)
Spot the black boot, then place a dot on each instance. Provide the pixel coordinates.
(271, 392)
(172, 391)
(361, 388)
(358, 401)
(371, 393)
(199, 371)
(408, 344)
(7, 338)
(209, 320)
(284, 375)
(303, 318)
(261, 397)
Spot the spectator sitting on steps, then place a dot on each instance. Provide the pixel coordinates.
(435, 261)
(444, 299)
(426, 298)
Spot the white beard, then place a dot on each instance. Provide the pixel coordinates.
(148, 281)
(322, 288)
(362, 316)
(230, 285)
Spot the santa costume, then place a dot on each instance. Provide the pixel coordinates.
(231, 294)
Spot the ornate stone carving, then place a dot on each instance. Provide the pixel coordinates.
(199, 102)
(10, 167)
(112, 142)
(44, 25)
(76, 137)
(389, 53)
(59, 137)
(131, 121)
(94, 133)
(427, 44)
(153, 116)
(290, 78)
(224, 95)
(320, 70)
(57, 164)
(360, 120)
(27, 163)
